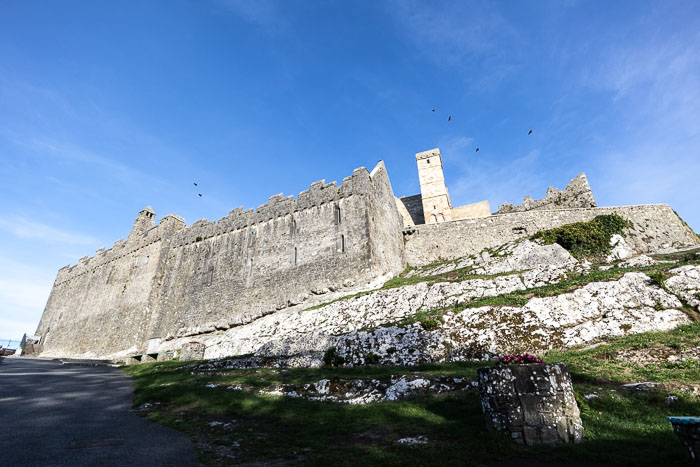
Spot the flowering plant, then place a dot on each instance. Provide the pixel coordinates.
(511, 358)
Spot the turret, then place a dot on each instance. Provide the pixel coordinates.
(145, 221)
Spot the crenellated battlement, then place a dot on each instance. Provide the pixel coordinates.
(167, 226)
(278, 206)
(247, 264)
(170, 279)
(174, 227)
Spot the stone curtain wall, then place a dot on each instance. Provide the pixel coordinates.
(577, 194)
(654, 227)
(385, 226)
(103, 302)
(240, 275)
(245, 265)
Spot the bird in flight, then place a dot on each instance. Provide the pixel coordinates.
(433, 110)
(529, 132)
(200, 195)
(195, 183)
(449, 119)
(477, 150)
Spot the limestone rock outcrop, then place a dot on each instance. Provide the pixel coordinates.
(594, 312)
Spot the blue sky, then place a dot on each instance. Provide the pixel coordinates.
(107, 107)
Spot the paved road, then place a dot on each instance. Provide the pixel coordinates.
(53, 414)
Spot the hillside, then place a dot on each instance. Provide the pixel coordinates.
(388, 375)
(526, 295)
(325, 415)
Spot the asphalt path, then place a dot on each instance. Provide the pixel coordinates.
(59, 415)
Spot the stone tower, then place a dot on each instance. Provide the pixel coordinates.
(436, 200)
(144, 222)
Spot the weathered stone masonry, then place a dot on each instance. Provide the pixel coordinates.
(654, 227)
(170, 281)
(235, 270)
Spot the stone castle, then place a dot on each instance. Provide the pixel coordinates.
(170, 280)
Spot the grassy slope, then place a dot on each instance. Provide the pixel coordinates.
(622, 427)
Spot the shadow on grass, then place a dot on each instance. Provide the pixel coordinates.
(621, 429)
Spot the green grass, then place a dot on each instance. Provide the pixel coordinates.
(622, 427)
(520, 297)
(602, 365)
(657, 273)
(457, 275)
(585, 239)
(685, 223)
(427, 319)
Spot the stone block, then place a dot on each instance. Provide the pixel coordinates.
(165, 356)
(192, 351)
(146, 358)
(534, 403)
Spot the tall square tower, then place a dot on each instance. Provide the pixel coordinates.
(436, 201)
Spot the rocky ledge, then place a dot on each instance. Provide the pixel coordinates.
(432, 316)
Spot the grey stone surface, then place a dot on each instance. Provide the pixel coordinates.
(595, 312)
(599, 310)
(414, 207)
(366, 391)
(685, 282)
(534, 403)
(169, 278)
(192, 351)
(70, 415)
(637, 262)
(577, 194)
(242, 282)
(654, 228)
(620, 249)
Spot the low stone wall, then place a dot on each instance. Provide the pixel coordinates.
(535, 403)
(654, 227)
(468, 211)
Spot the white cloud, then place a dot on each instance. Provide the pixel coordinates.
(461, 34)
(264, 13)
(25, 229)
(24, 291)
(656, 98)
(478, 178)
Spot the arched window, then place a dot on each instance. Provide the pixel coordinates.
(337, 214)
